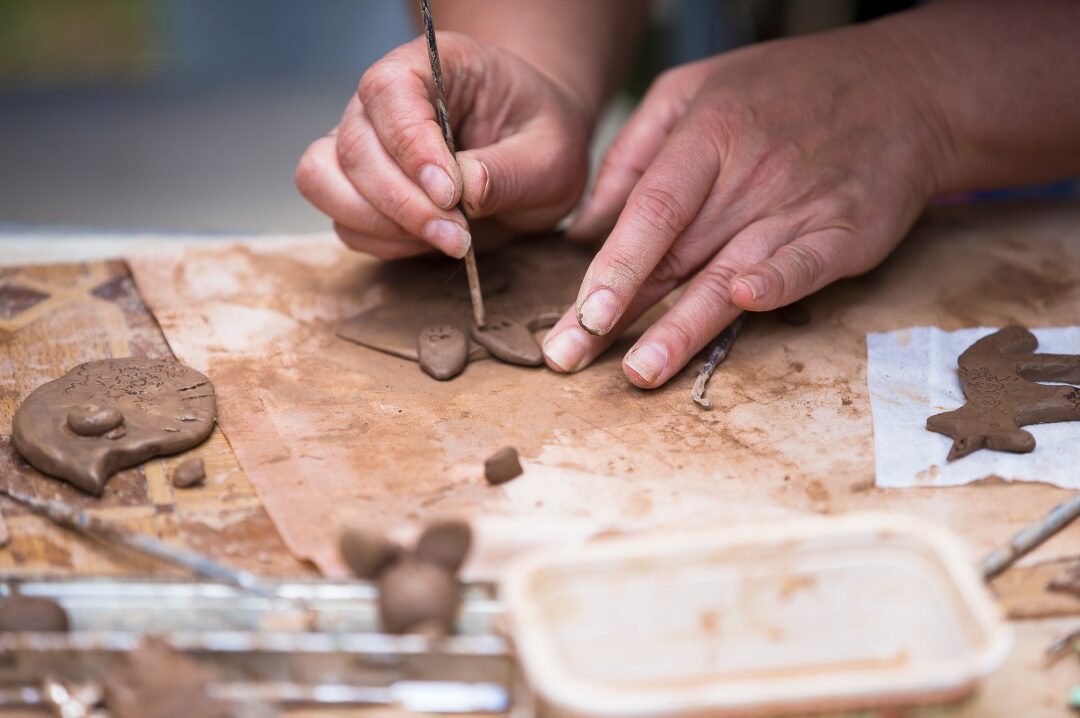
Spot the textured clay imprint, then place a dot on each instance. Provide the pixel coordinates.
(998, 374)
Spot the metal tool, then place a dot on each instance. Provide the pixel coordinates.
(715, 354)
(1030, 537)
(442, 112)
(81, 522)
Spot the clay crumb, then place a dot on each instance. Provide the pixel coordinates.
(502, 466)
(32, 613)
(367, 553)
(189, 473)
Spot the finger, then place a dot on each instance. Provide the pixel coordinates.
(522, 178)
(660, 207)
(321, 180)
(795, 270)
(635, 147)
(703, 309)
(395, 92)
(377, 176)
(379, 247)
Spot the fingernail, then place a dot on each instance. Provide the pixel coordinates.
(648, 361)
(567, 349)
(597, 313)
(438, 185)
(448, 237)
(756, 284)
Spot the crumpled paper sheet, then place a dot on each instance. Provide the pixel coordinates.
(912, 376)
(333, 434)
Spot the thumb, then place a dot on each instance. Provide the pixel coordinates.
(529, 179)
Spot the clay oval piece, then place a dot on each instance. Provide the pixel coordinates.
(502, 466)
(417, 596)
(190, 472)
(367, 553)
(509, 341)
(149, 393)
(445, 543)
(94, 420)
(443, 351)
(32, 613)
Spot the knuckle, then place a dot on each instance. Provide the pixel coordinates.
(659, 209)
(395, 204)
(308, 171)
(681, 332)
(410, 141)
(378, 79)
(350, 148)
(804, 266)
(626, 268)
(714, 287)
(670, 270)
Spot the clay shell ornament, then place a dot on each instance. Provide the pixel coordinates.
(108, 415)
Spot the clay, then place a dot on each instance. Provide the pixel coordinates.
(32, 613)
(417, 596)
(502, 466)
(998, 375)
(93, 420)
(166, 408)
(494, 274)
(156, 681)
(367, 553)
(412, 295)
(509, 341)
(443, 351)
(794, 314)
(190, 472)
(445, 543)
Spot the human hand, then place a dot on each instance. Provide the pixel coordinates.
(386, 178)
(760, 176)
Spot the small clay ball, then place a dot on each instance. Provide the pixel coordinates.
(26, 613)
(93, 420)
(418, 596)
(367, 553)
(445, 543)
(190, 472)
(794, 314)
(502, 466)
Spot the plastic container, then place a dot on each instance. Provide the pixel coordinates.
(806, 616)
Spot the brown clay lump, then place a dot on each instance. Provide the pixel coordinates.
(509, 341)
(445, 543)
(418, 597)
(93, 420)
(156, 681)
(190, 472)
(998, 375)
(443, 351)
(164, 408)
(367, 553)
(32, 613)
(502, 466)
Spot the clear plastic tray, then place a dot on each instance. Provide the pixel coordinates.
(807, 616)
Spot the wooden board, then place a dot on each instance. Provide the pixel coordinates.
(53, 317)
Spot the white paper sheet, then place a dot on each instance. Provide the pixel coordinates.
(912, 375)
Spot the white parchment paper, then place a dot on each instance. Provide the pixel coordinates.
(912, 375)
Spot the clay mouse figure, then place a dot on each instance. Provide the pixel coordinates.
(418, 590)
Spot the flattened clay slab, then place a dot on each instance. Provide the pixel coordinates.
(540, 279)
(507, 340)
(166, 407)
(998, 375)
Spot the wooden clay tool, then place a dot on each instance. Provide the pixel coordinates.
(81, 522)
(443, 114)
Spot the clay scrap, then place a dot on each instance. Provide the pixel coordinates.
(189, 473)
(32, 613)
(418, 590)
(998, 375)
(104, 416)
(502, 466)
(528, 285)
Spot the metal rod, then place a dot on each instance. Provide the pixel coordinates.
(715, 354)
(81, 522)
(1030, 537)
(442, 112)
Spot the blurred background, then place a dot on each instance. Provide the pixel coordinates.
(189, 115)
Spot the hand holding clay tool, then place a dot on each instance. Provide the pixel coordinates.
(71, 518)
(443, 114)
